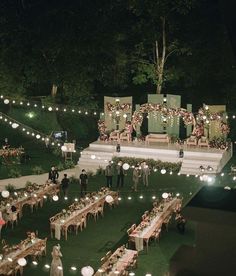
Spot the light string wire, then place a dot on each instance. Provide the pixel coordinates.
(49, 107)
(28, 130)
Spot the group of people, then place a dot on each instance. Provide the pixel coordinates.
(141, 171)
(53, 176)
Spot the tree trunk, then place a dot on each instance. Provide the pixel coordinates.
(160, 60)
(54, 90)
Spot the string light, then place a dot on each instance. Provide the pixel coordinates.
(28, 130)
(8, 100)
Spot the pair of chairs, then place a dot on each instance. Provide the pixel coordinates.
(116, 135)
(79, 222)
(96, 211)
(194, 141)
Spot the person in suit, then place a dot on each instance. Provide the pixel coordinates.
(109, 174)
(65, 185)
(136, 177)
(53, 175)
(145, 171)
(83, 178)
(120, 175)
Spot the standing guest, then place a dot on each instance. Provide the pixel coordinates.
(65, 185)
(120, 174)
(53, 175)
(136, 176)
(56, 265)
(83, 183)
(109, 174)
(145, 171)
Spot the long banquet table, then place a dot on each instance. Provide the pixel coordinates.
(141, 235)
(26, 198)
(61, 224)
(120, 264)
(23, 250)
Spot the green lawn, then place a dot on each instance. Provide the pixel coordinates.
(110, 231)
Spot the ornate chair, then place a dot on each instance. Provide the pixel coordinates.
(114, 135)
(191, 141)
(203, 142)
(125, 136)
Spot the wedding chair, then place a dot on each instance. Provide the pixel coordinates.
(79, 222)
(203, 142)
(114, 135)
(41, 250)
(129, 231)
(156, 235)
(166, 222)
(125, 136)
(32, 203)
(191, 141)
(133, 227)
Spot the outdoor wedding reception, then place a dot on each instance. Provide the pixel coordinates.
(117, 138)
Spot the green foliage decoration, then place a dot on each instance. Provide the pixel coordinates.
(157, 164)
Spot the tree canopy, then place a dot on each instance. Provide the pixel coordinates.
(81, 50)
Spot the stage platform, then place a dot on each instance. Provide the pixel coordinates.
(99, 153)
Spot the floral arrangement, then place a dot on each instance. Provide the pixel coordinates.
(102, 129)
(118, 107)
(224, 128)
(11, 152)
(166, 112)
(220, 143)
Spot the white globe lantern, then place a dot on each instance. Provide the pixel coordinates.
(125, 166)
(5, 194)
(38, 136)
(6, 101)
(163, 171)
(93, 156)
(109, 199)
(22, 261)
(87, 271)
(14, 125)
(55, 198)
(165, 195)
(63, 148)
(50, 108)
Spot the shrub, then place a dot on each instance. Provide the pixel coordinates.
(100, 171)
(60, 166)
(14, 173)
(37, 170)
(90, 173)
(10, 188)
(28, 184)
(69, 164)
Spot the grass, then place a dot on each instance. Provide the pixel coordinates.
(109, 232)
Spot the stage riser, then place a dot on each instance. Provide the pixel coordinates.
(192, 160)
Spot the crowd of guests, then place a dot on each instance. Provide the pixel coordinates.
(140, 172)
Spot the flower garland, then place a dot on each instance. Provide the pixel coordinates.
(118, 107)
(187, 116)
(102, 129)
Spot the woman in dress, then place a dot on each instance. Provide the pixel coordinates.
(56, 265)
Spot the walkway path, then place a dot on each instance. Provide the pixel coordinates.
(39, 179)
